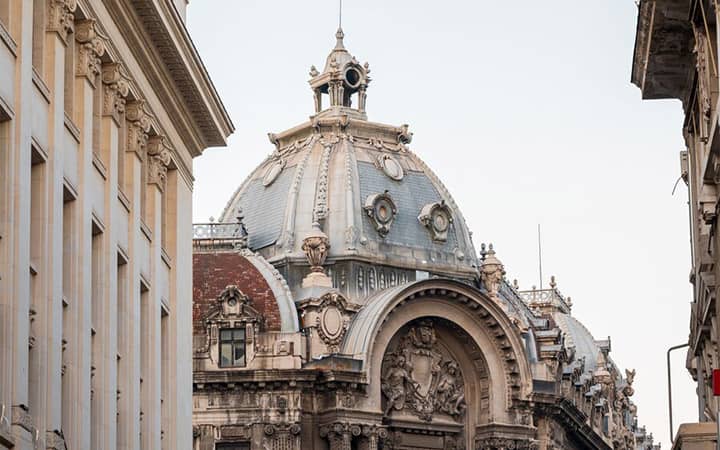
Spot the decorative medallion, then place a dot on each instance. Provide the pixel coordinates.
(382, 211)
(390, 166)
(418, 377)
(332, 321)
(273, 172)
(436, 217)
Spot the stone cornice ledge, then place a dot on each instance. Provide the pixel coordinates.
(155, 33)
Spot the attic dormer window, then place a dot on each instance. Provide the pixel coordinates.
(232, 347)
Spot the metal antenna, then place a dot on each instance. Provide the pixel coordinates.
(540, 257)
(340, 15)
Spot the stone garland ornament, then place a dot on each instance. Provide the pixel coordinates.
(273, 172)
(390, 167)
(436, 218)
(417, 377)
(382, 211)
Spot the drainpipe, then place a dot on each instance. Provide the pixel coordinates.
(676, 347)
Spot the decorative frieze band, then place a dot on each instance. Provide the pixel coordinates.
(91, 48)
(116, 88)
(61, 18)
(159, 157)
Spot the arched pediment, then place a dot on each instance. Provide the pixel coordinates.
(488, 327)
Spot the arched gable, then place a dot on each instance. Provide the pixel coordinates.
(489, 328)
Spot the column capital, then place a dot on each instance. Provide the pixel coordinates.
(116, 88)
(61, 18)
(138, 126)
(91, 47)
(159, 157)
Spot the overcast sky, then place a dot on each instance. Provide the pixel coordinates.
(526, 112)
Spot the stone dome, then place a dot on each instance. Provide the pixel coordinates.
(359, 183)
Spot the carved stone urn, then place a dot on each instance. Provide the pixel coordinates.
(492, 272)
(316, 246)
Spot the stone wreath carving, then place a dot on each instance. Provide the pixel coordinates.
(382, 211)
(418, 378)
(436, 218)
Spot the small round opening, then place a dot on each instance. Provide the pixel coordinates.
(352, 76)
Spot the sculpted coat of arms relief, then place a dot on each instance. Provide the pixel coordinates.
(418, 377)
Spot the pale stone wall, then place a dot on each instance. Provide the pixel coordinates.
(95, 227)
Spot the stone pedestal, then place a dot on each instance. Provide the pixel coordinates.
(696, 436)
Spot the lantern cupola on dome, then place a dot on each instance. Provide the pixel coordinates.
(344, 80)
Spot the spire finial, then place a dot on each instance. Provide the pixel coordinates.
(339, 35)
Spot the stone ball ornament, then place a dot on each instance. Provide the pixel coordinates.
(382, 211)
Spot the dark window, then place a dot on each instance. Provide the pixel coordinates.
(233, 446)
(232, 349)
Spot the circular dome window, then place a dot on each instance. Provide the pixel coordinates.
(352, 77)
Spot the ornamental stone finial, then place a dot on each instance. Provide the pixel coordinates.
(316, 246)
(492, 272)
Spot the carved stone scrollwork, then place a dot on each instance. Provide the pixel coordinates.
(138, 127)
(418, 378)
(436, 218)
(503, 443)
(371, 436)
(61, 18)
(116, 88)
(339, 435)
(91, 48)
(234, 304)
(281, 436)
(158, 151)
(701, 64)
(382, 211)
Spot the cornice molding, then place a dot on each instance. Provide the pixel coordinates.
(161, 44)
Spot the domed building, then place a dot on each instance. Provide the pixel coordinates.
(340, 303)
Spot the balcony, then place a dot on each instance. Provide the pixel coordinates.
(216, 235)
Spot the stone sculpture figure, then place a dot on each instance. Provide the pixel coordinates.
(394, 384)
(420, 379)
(449, 394)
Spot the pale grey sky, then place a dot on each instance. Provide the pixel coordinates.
(526, 112)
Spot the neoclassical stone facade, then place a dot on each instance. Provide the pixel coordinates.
(103, 106)
(339, 303)
(676, 57)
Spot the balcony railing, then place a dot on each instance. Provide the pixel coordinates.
(543, 297)
(218, 234)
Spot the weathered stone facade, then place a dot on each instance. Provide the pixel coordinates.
(392, 332)
(676, 57)
(103, 106)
